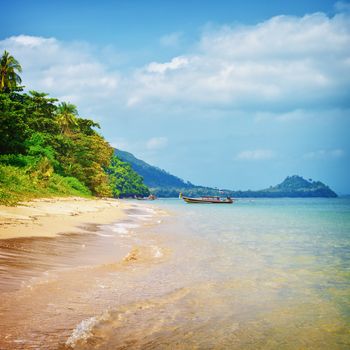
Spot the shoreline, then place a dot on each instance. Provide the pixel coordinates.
(49, 217)
(200, 277)
(58, 271)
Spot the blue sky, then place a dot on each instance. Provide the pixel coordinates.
(222, 93)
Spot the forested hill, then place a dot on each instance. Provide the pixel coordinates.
(296, 186)
(292, 187)
(152, 176)
(164, 184)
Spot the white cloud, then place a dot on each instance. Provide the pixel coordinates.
(285, 62)
(69, 71)
(32, 41)
(171, 40)
(156, 143)
(258, 154)
(325, 154)
(175, 63)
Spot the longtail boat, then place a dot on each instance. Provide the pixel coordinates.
(207, 200)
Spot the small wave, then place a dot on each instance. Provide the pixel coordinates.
(36, 281)
(150, 210)
(103, 329)
(144, 254)
(84, 330)
(103, 234)
(123, 228)
(143, 217)
(157, 252)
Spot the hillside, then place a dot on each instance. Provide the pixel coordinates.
(153, 177)
(296, 186)
(164, 184)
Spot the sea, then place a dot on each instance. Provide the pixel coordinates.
(255, 274)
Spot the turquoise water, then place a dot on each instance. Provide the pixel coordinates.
(257, 274)
(286, 262)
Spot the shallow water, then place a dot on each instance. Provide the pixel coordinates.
(258, 274)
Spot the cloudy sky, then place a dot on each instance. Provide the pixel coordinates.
(221, 93)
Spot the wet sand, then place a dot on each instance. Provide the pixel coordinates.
(64, 261)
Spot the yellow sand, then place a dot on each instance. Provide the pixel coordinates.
(52, 216)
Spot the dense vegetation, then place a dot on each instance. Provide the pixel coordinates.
(153, 176)
(47, 149)
(296, 186)
(126, 182)
(166, 185)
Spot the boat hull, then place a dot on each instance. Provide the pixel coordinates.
(206, 201)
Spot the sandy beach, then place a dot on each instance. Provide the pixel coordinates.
(48, 217)
(62, 262)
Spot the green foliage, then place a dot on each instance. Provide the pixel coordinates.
(67, 117)
(85, 157)
(48, 142)
(17, 184)
(38, 147)
(9, 79)
(296, 186)
(34, 136)
(153, 176)
(14, 126)
(18, 160)
(125, 182)
(67, 184)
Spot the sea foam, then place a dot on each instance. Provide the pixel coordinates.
(84, 330)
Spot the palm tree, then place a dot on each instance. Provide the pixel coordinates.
(9, 79)
(67, 117)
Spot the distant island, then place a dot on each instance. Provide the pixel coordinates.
(166, 185)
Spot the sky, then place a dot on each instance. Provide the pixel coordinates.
(228, 94)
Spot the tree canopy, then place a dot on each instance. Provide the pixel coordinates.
(9, 66)
(125, 182)
(45, 138)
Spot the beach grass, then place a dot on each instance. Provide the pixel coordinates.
(16, 184)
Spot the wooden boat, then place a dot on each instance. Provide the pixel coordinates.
(208, 200)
